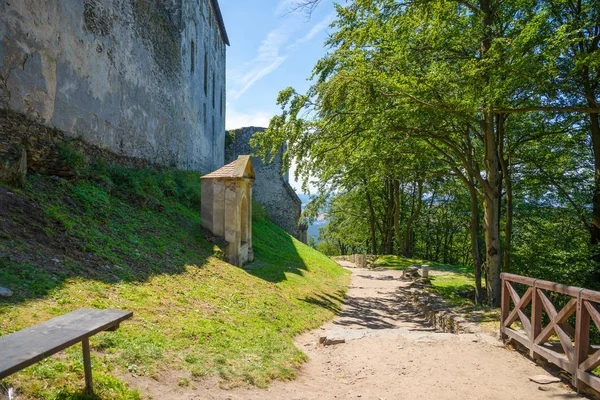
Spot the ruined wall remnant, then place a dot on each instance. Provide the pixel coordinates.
(271, 188)
(145, 78)
(31, 147)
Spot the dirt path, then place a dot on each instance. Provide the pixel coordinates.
(392, 353)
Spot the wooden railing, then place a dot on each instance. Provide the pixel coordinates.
(572, 352)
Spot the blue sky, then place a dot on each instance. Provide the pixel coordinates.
(271, 49)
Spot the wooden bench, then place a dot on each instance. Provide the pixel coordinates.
(26, 347)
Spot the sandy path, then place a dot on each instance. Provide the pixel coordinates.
(392, 353)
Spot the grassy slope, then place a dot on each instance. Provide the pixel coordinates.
(132, 240)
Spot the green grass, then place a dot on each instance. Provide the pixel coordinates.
(447, 280)
(131, 239)
(451, 282)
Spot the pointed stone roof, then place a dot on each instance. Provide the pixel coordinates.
(239, 169)
(220, 21)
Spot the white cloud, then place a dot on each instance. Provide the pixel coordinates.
(266, 61)
(272, 53)
(254, 76)
(318, 28)
(237, 119)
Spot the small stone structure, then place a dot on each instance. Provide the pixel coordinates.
(227, 208)
(303, 233)
(360, 260)
(410, 273)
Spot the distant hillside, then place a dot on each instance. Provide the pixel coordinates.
(131, 239)
(313, 229)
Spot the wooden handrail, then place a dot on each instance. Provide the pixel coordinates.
(575, 354)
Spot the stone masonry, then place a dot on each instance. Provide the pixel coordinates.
(227, 208)
(271, 188)
(143, 78)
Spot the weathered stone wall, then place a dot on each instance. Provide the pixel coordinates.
(28, 146)
(271, 188)
(144, 78)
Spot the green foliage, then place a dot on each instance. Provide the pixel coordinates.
(424, 116)
(148, 187)
(69, 156)
(229, 137)
(328, 248)
(259, 213)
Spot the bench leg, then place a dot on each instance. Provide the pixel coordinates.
(87, 365)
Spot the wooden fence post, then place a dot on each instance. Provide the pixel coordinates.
(582, 338)
(505, 301)
(536, 318)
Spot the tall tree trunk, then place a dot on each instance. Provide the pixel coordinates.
(595, 226)
(397, 213)
(371, 222)
(474, 233)
(505, 165)
(428, 249)
(411, 219)
(491, 189)
(491, 206)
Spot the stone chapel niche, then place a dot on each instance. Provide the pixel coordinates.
(227, 208)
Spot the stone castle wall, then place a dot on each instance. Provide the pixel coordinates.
(271, 188)
(143, 78)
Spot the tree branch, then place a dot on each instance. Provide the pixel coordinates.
(585, 110)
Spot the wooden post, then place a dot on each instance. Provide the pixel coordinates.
(87, 365)
(536, 318)
(582, 338)
(505, 301)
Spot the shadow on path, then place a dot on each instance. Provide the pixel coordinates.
(387, 308)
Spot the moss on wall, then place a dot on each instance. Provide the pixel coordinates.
(159, 33)
(97, 19)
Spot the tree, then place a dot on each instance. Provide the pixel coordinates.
(454, 75)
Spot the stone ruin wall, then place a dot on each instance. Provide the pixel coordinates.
(270, 188)
(143, 78)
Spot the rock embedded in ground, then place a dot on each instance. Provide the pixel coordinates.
(4, 292)
(544, 379)
(328, 341)
(411, 272)
(545, 388)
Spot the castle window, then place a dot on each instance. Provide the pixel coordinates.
(192, 56)
(213, 88)
(205, 73)
(221, 104)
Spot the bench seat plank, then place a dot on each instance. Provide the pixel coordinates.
(30, 345)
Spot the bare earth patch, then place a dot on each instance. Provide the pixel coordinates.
(389, 352)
